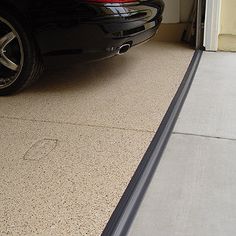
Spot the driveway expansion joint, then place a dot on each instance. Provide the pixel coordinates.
(78, 124)
(205, 136)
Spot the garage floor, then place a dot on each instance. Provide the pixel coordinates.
(71, 143)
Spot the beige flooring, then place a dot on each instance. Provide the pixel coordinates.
(71, 143)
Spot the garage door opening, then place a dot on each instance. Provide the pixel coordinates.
(84, 130)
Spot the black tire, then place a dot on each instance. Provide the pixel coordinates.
(30, 62)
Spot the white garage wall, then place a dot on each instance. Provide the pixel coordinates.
(185, 9)
(177, 11)
(172, 11)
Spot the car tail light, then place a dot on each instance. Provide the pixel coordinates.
(112, 1)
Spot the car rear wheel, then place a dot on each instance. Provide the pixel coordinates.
(20, 63)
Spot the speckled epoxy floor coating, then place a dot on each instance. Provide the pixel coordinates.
(71, 143)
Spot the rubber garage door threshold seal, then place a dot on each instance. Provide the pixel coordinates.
(123, 215)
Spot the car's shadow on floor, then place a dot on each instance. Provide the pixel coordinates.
(61, 76)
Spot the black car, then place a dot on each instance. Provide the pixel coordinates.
(89, 29)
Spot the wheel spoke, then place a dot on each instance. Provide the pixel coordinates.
(4, 81)
(4, 60)
(6, 39)
(8, 63)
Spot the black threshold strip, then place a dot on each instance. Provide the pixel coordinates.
(123, 216)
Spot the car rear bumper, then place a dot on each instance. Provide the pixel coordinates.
(101, 34)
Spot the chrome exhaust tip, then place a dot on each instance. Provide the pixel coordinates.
(123, 49)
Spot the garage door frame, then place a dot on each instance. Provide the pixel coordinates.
(212, 24)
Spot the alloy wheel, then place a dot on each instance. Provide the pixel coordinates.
(11, 54)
